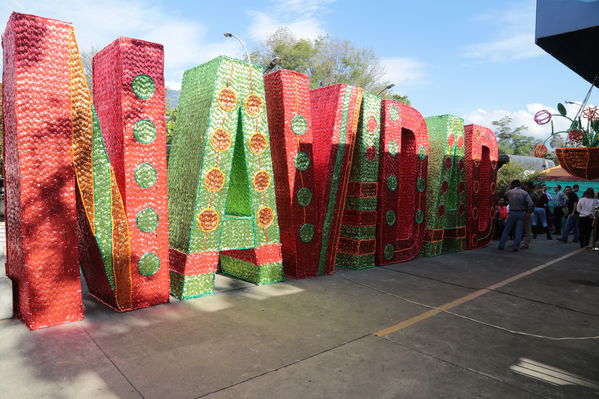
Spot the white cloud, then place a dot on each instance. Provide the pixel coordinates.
(403, 71)
(523, 117)
(515, 47)
(515, 37)
(186, 41)
(301, 17)
(173, 84)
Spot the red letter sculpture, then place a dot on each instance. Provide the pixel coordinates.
(481, 175)
(402, 183)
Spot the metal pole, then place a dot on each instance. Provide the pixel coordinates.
(247, 53)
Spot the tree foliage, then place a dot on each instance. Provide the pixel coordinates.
(87, 57)
(512, 171)
(326, 61)
(513, 141)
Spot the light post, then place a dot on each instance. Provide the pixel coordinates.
(275, 61)
(247, 54)
(389, 86)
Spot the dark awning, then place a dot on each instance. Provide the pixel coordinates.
(569, 31)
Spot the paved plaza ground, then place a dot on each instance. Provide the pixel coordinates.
(354, 334)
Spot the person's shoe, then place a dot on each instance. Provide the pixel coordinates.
(524, 247)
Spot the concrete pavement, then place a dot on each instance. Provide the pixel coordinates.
(316, 338)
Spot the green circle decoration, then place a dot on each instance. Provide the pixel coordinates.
(390, 217)
(389, 251)
(148, 264)
(392, 182)
(145, 175)
(143, 86)
(299, 125)
(393, 148)
(394, 113)
(307, 232)
(302, 161)
(304, 196)
(422, 152)
(421, 184)
(419, 216)
(147, 220)
(144, 131)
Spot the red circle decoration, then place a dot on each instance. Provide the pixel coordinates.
(208, 220)
(370, 153)
(475, 187)
(475, 213)
(493, 188)
(540, 151)
(461, 187)
(576, 135)
(444, 186)
(372, 124)
(258, 143)
(441, 210)
(253, 105)
(461, 209)
(265, 216)
(227, 99)
(448, 162)
(460, 142)
(450, 139)
(261, 181)
(474, 240)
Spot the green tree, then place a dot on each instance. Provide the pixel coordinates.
(512, 171)
(326, 61)
(87, 57)
(171, 118)
(397, 97)
(513, 140)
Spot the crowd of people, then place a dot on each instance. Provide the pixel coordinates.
(527, 213)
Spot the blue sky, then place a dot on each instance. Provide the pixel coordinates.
(473, 59)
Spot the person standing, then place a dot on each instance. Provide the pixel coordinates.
(501, 214)
(520, 205)
(559, 201)
(586, 214)
(572, 220)
(529, 187)
(540, 213)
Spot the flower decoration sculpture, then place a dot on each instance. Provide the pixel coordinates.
(577, 135)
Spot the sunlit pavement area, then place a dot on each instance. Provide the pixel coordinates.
(317, 338)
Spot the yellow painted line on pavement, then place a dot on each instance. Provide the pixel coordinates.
(470, 297)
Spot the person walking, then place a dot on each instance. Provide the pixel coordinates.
(586, 214)
(520, 205)
(559, 202)
(529, 187)
(572, 220)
